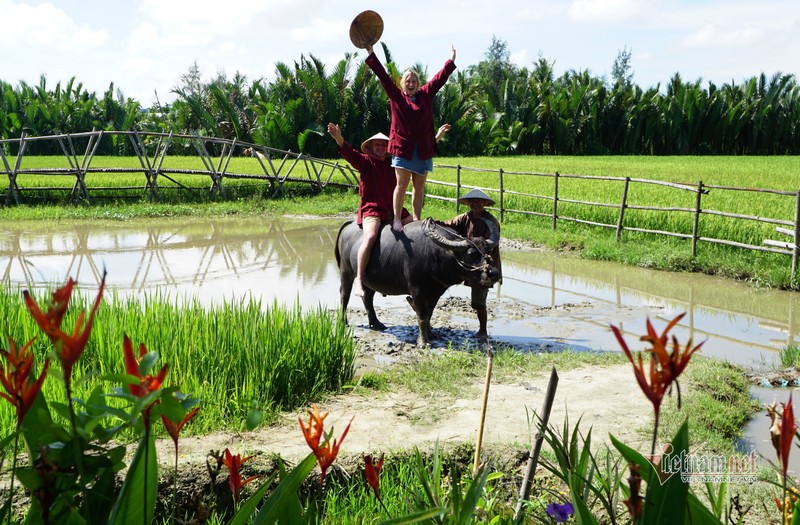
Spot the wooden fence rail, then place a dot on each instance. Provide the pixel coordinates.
(785, 226)
(277, 167)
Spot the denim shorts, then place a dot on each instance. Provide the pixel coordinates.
(414, 165)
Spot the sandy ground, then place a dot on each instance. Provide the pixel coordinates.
(606, 400)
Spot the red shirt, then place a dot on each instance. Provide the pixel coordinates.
(412, 120)
(376, 184)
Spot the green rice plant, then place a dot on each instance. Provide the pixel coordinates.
(233, 356)
(789, 357)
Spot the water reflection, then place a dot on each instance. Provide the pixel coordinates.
(544, 298)
(216, 259)
(738, 321)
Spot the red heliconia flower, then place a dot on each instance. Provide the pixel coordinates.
(372, 472)
(69, 347)
(174, 430)
(147, 383)
(782, 431)
(327, 451)
(665, 365)
(234, 464)
(788, 430)
(15, 377)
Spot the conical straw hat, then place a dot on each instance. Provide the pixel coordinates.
(476, 194)
(366, 29)
(367, 143)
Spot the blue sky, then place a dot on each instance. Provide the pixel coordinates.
(144, 46)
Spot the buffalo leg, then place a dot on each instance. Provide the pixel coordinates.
(345, 287)
(424, 308)
(369, 296)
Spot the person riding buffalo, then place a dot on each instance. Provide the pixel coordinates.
(376, 186)
(411, 135)
(472, 224)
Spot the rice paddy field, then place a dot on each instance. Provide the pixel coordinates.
(235, 357)
(718, 201)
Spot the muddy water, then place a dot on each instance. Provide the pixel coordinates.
(544, 299)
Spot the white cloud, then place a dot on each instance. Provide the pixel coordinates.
(44, 26)
(604, 10)
(143, 39)
(711, 35)
(520, 58)
(318, 30)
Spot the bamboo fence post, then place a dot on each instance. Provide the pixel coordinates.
(501, 194)
(555, 199)
(622, 207)
(458, 185)
(479, 443)
(696, 223)
(796, 234)
(536, 447)
(13, 189)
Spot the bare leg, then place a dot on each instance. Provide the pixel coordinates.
(417, 195)
(370, 235)
(403, 177)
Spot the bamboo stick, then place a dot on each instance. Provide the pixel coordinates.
(536, 447)
(479, 443)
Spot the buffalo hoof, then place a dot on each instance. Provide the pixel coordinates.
(377, 325)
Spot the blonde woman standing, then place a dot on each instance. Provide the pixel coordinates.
(412, 142)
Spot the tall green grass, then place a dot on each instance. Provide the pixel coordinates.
(234, 357)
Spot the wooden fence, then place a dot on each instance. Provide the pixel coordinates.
(276, 167)
(788, 227)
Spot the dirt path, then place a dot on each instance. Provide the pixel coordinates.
(605, 398)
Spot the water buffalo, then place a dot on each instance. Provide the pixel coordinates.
(421, 262)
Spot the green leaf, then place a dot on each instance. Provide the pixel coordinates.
(6, 441)
(417, 517)
(137, 498)
(473, 495)
(699, 514)
(796, 513)
(251, 504)
(148, 362)
(99, 500)
(583, 515)
(285, 491)
(254, 417)
(36, 426)
(667, 501)
(29, 478)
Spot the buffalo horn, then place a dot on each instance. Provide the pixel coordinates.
(429, 228)
(494, 234)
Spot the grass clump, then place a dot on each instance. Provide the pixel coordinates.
(717, 403)
(789, 357)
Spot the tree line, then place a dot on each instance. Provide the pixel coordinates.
(494, 108)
